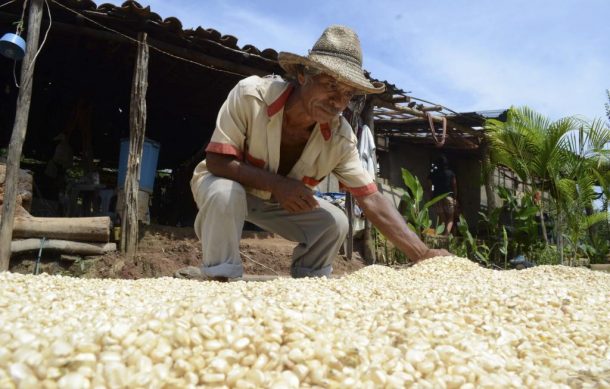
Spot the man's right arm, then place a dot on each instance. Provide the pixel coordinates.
(291, 194)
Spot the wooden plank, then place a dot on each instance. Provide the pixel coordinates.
(195, 55)
(137, 126)
(18, 136)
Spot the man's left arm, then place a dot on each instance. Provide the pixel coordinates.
(391, 224)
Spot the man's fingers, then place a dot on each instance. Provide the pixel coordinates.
(302, 205)
(311, 201)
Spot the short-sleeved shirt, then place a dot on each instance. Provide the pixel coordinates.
(249, 127)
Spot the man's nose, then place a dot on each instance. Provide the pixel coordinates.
(339, 100)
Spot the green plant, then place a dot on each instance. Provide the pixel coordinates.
(417, 213)
(543, 254)
(467, 245)
(560, 158)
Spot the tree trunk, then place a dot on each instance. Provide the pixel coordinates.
(65, 246)
(543, 223)
(559, 232)
(137, 125)
(19, 130)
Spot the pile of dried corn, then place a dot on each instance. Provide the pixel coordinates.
(443, 323)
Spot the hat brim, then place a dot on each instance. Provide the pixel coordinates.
(343, 71)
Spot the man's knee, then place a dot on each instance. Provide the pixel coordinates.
(336, 221)
(220, 192)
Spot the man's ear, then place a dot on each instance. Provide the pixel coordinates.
(301, 78)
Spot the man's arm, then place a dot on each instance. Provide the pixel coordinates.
(386, 218)
(291, 194)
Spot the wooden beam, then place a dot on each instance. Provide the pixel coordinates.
(415, 112)
(18, 136)
(432, 108)
(401, 99)
(208, 60)
(190, 54)
(137, 126)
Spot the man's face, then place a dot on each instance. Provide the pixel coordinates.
(324, 97)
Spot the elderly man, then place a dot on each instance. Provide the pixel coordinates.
(274, 142)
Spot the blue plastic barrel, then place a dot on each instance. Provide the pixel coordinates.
(148, 170)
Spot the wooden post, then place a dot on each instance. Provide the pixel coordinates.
(370, 255)
(137, 127)
(18, 136)
(349, 240)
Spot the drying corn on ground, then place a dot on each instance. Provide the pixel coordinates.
(443, 323)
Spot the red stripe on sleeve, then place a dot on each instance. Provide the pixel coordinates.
(223, 148)
(310, 181)
(363, 190)
(255, 161)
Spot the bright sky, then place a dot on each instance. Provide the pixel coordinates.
(553, 55)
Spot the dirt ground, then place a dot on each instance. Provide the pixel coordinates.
(163, 250)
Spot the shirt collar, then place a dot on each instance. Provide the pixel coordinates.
(278, 102)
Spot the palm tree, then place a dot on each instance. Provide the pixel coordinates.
(557, 157)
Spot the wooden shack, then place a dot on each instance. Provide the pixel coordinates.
(106, 73)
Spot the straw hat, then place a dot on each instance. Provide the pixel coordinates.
(338, 54)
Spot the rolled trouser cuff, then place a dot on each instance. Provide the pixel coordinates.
(223, 270)
(300, 272)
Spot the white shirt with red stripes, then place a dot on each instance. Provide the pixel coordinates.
(249, 127)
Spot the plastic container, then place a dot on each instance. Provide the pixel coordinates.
(148, 170)
(12, 46)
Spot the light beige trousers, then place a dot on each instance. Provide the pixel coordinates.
(224, 205)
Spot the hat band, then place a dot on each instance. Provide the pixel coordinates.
(346, 57)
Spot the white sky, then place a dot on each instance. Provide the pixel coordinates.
(553, 56)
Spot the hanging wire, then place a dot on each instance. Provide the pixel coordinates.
(20, 24)
(149, 45)
(15, 73)
(7, 3)
(44, 40)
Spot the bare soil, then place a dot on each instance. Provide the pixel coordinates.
(163, 250)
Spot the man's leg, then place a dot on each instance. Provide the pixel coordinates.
(319, 233)
(219, 222)
(449, 214)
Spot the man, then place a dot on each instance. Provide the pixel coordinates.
(440, 181)
(274, 142)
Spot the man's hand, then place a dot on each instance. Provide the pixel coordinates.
(431, 253)
(293, 195)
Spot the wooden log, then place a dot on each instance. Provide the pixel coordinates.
(65, 246)
(137, 128)
(85, 229)
(19, 130)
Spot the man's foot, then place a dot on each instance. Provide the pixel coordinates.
(194, 273)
